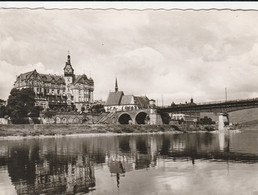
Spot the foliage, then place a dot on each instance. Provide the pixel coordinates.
(20, 121)
(97, 108)
(49, 113)
(181, 121)
(21, 103)
(205, 121)
(165, 117)
(3, 111)
(35, 111)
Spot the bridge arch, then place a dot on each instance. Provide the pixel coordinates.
(141, 117)
(124, 118)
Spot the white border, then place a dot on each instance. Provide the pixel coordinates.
(131, 5)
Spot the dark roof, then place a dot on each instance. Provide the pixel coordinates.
(82, 79)
(26, 75)
(55, 79)
(127, 99)
(114, 98)
(141, 101)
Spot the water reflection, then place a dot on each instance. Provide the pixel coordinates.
(68, 165)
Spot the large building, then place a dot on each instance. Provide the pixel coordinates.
(59, 91)
(118, 101)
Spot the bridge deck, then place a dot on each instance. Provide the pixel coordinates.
(227, 106)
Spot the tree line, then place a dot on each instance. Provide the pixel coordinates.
(21, 105)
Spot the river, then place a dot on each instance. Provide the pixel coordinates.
(184, 163)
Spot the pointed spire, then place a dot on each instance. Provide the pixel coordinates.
(116, 86)
(68, 58)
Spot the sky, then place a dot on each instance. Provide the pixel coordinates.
(172, 55)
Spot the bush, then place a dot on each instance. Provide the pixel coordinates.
(36, 120)
(20, 121)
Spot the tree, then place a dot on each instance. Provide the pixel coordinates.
(97, 108)
(49, 113)
(35, 111)
(165, 117)
(20, 103)
(206, 121)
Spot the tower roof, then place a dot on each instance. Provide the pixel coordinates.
(68, 69)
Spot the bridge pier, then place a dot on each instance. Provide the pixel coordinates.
(155, 118)
(222, 118)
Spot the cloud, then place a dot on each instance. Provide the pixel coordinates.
(174, 54)
(9, 72)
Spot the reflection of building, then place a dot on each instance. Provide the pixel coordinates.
(69, 179)
(52, 174)
(117, 101)
(57, 90)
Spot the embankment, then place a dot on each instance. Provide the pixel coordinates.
(67, 129)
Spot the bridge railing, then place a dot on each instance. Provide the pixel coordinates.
(215, 102)
(228, 101)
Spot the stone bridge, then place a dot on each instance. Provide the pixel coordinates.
(144, 116)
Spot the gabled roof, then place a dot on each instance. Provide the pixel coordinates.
(54, 79)
(114, 98)
(127, 100)
(46, 78)
(141, 101)
(26, 75)
(81, 79)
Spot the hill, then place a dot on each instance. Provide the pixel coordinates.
(240, 116)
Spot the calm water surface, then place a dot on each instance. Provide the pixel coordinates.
(196, 163)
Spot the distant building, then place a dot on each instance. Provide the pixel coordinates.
(117, 101)
(189, 117)
(56, 91)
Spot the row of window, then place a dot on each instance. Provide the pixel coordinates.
(43, 90)
(121, 108)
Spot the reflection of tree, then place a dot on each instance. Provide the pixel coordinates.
(141, 145)
(165, 146)
(98, 157)
(21, 164)
(124, 144)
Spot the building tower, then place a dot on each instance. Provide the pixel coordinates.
(69, 79)
(116, 86)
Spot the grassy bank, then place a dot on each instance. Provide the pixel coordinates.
(67, 129)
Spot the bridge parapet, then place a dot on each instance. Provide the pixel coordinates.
(217, 107)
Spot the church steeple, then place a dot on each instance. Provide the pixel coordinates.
(116, 86)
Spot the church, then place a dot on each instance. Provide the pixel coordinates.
(59, 91)
(118, 101)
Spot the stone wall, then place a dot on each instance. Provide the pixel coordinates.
(71, 118)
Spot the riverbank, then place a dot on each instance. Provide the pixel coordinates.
(69, 129)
